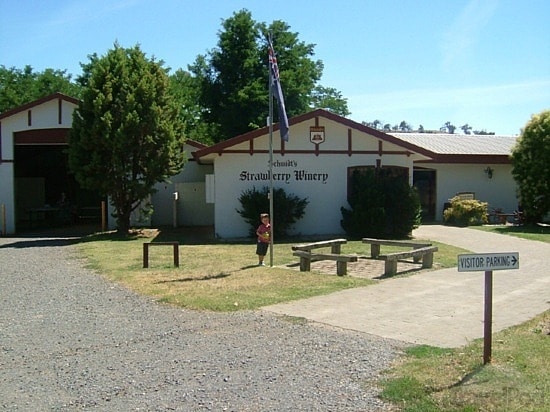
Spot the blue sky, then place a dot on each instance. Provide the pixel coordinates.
(481, 62)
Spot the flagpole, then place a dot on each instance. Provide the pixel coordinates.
(271, 161)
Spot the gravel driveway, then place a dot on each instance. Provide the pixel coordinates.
(70, 340)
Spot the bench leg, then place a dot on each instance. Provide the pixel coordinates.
(374, 251)
(176, 255)
(145, 255)
(341, 268)
(305, 264)
(428, 260)
(390, 267)
(417, 259)
(335, 249)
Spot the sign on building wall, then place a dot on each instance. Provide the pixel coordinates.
(285, 171)
(317, 134)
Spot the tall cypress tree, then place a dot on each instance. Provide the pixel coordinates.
(127, 131)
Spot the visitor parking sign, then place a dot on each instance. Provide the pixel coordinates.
(488, 261)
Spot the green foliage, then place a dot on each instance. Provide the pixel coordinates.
(288, 209)
(465, 212)
(127, 133)
(382, 205)
(233, 78)
(18, 87)
(425, 351)
(531, 167)
(185, 89)
(331, 99)
(408, 390)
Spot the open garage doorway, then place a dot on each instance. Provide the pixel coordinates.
(47, 194)
(425, 183)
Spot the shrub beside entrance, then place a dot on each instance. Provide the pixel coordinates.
(288, 209)
(465, 212)
(383, 205)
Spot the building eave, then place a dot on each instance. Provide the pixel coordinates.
(38, 102)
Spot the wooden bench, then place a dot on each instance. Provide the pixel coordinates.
(515, 217)
(426, 254)
(304, 252)
(89, 213)
(375, 245)
(146, 246)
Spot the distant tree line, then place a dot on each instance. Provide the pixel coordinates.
(405, 127)
(21, 86)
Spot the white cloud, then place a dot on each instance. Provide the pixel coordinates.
(463, 33)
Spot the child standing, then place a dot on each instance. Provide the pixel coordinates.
(264, 233)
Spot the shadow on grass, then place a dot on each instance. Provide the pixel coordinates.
(210, 277)
(463, 381)
(221, 275)
(534, 229)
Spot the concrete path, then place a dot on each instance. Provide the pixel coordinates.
(443, 307)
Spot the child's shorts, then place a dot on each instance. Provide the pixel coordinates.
(261, 248)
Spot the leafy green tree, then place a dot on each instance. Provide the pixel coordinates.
(299, 72)
(233, 78)
(232, 83)
(531, 167)
(483, 132)
(185, 89)
(331, 99)
(448, 127)
(405, 127)
(127, 130)
(18, 87)
(466, 128)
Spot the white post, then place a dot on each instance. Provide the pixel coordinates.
(175, 210)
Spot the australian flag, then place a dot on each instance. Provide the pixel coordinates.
(278, 93)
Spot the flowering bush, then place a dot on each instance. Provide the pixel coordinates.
(466, 212)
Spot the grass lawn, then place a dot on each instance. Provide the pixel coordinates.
(532, 232)
(221, 276)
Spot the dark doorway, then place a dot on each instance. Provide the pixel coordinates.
(424, 181)
(46, 193)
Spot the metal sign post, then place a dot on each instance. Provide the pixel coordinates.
(488, 262)
(488, 317)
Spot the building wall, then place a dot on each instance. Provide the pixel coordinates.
(500, 191)
(191, 208)
(7, 199)
(321, 178)
(43, 116)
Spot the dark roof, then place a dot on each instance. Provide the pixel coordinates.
(195, 144)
